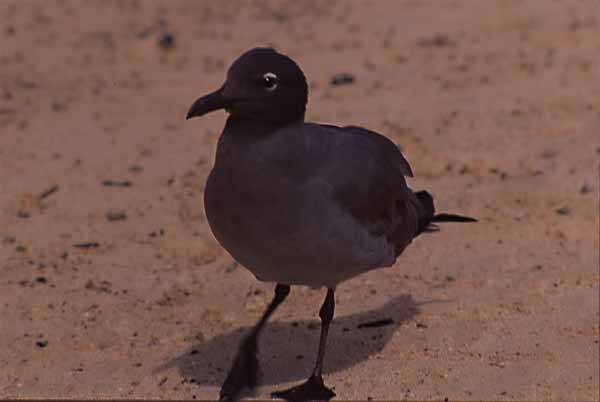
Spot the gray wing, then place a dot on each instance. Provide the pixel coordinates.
(366, 171)
(383, 146)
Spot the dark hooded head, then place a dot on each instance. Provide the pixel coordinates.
(262, 85)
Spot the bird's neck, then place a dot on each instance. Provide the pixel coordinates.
(253, 127)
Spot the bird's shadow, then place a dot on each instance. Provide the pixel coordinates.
(287, 350)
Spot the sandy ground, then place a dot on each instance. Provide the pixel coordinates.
(495, 104)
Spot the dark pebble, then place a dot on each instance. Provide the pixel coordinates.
(342, 79)
(116, 183)
(42, 344)
(166, 41)
(41, 279)
(563, 211)
(584, 189)
(23, 214)
(20, 249)
(421, 325)
(114, 216)
(437, 41)
(48, 192)
(92, 244)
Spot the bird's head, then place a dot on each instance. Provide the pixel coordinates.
(261, 85)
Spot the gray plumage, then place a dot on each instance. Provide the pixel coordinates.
(310, 204)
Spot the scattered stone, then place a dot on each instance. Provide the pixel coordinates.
(42, 344)
(48, 192)
(421, 325)
(41, 279)
(166, 40)
(116, 183)
(584, 189)
(563, 211)
(113, 216)
(23, 215)
(20, 249)
(342, 79)
(103, 287)
(91, 244)
(58, 106)
(25, 84)
(439, 40)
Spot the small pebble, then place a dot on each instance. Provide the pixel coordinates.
(114, 216)
(167, 40)
(116, 183)
(584, 189)
(42, 344)
(23, 214)
(438, 40)
(342, 79)
(92, 244)
(563, 211)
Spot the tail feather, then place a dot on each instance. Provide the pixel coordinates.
(427, 215)
(451, 218)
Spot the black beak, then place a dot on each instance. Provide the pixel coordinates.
(208, 103)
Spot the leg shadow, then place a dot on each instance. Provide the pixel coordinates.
(287, 350)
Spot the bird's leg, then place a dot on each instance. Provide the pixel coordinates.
(244, 371)
(314, 388)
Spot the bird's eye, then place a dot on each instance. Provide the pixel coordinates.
(270, 81)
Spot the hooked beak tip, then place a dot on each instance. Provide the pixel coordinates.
(206, 104)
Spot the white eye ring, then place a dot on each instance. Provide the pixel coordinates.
(270, 81)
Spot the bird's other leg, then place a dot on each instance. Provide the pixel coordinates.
(244, 371)
(314, 388)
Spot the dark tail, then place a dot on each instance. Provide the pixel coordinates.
(428, 217)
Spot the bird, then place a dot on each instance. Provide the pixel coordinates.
(301, 203)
